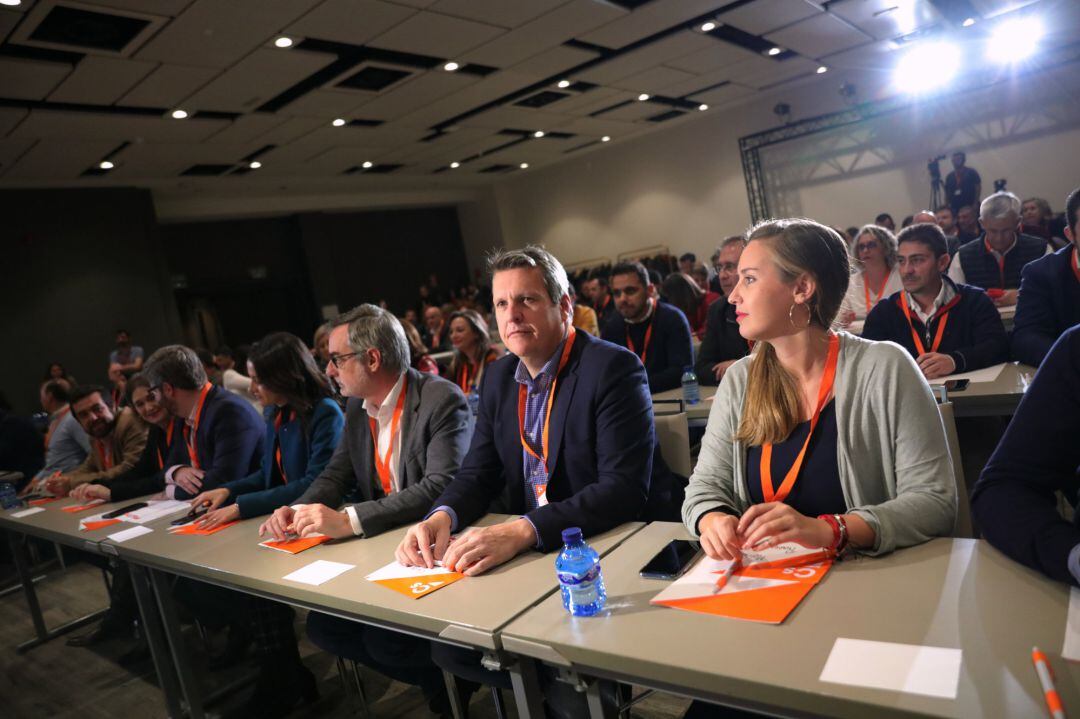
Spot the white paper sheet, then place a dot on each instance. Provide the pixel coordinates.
(28, 512)
(130, 533)
(156, 510)
(986, 374)
(397, 570)
(318, 572)
(930, 671)
(1071, 648)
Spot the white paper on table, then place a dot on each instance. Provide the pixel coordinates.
(787, 550)
(986, 374)
(156, 510)
(397, 570)
(319, 571)
(1071, 648)
(930, 671)
(28, 512)
(130, 533)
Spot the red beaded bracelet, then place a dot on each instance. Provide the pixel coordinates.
(838, 525)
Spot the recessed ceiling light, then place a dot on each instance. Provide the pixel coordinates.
(338, 122)
(605, 138)
(708, 27)
(538, 133)
(822, 70)
(254, 164)
(283, 42)
(104, 164)
(450, 66)
(968, 22)
(774, 51)
(524, 166)
(11, 3)
(564, 83)
(703, 107)
(1014, 40)
(643, 97)
(368, 165)
(455, 165)
(179, 114)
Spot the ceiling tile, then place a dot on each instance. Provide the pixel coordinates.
(8, 20)
(10, 117)
(763, 72)
(414, 94)
(11, 149)
(820, 35)
(725, 93)
(291, 130)
(429, 33)
(887, 19)
(101, 80)
(30, 79)
(717, 55)
(326, 104)
(545, 32)
(64, 160)
(490, 88)
(247, 128)
(350, 21)
(59, 126)
(169, 8)
(762, 16)
(874, 56)
(593, 127)
(554, 61)
(655, 53)
(593, 101)
(649, 19)
(152, 159)
(167, 85)
(218, 34)
(257, 78)
(634, 111)
(654, 81)
(504, 13)
(521, 118)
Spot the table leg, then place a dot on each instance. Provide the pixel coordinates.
(155, 637)
(454, 693)
(527, 693)
(189, 683)
(597, 708)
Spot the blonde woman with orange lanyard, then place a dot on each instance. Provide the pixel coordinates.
(818, 438)
(874, 250)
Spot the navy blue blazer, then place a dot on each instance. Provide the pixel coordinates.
(671, 348)
(602, 444)
(303, 456)
(229, 440)
(1049, 304)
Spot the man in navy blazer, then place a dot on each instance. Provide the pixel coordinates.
(222, 432)
(1049, 301)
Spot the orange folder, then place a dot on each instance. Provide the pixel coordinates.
(82, 507)
(191, 529)
(297, 545)
(41, 501)
(98, 524)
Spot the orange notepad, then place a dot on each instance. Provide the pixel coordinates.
(296, 544)
(191, 529)
(43, 500)
(413, 582)
(97, 524)
(82, 507)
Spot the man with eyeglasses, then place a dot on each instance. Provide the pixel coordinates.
(722, 344)
(406, 433)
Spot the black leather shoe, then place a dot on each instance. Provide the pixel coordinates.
(103, 632)
(236, 649)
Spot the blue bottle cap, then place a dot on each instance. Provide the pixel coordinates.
(571, 535)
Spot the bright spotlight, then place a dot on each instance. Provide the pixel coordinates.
(927, 67)
(1014, 40)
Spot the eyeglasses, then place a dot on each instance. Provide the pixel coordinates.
(338, 360)
(866, 246)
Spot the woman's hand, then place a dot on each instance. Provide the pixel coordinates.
(772, 523)
(719, 535)
(211, 499)
(218, 517)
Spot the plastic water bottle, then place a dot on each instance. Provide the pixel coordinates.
(474, 402)
(691, 391)
(9, 497)
(578, 569)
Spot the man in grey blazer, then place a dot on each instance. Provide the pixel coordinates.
(421, 422)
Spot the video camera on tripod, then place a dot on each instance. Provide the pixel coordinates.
(933, 166)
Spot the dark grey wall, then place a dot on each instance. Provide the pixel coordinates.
(75, 265)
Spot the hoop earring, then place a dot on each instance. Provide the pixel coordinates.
(791, 316)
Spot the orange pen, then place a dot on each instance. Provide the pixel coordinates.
(1046, 679)
(727, 574)
(798, 561)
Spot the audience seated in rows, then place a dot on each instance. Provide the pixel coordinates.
(419, 359)
(472, 350)
(723, 343)
(875, 254)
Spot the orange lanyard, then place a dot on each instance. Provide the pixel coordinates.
(168, 444)
(1075, 264)
(191, 433)
(277, 450)
(382, 464)
(60, 416)
(766, 449)
(943, 313)
(1000, 262)
(601, 308)
(880, 292)
(105, 453)
(648, 339)
(523, 395)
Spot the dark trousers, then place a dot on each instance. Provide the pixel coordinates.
(270, 623)
(399, 656)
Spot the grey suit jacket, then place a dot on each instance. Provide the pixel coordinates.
(435, 427)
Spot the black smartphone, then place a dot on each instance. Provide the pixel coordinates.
(123, 510)
(671, 561)
(957, 385)
(191, 516)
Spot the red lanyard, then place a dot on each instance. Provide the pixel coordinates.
(523, 395)
(648, 339)
(1000, 262)
(766, 449)
(382, 464)
(277, 450)
(880, 292)
(168, 444)
(105, 453)
(1075, 267)
(59, 416)
(191, 433)
(942, 313)
(601, 308)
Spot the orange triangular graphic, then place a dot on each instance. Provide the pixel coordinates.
(770, 605)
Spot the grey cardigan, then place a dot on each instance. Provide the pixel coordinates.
(895, 469)
(435, 436)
